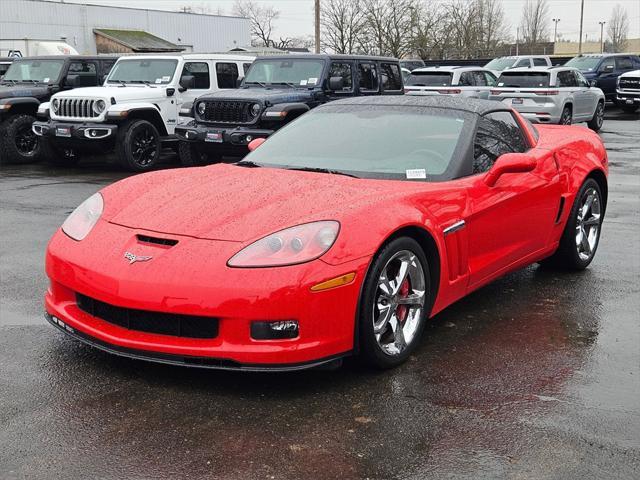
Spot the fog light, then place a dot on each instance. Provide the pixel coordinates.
(277, 330)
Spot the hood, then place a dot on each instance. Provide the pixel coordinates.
(274, 96)
(226, 202)
(121, 94)
(632, 73)
(23, 90)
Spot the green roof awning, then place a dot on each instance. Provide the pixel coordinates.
(138, 40)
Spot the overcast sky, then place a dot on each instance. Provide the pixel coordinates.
(296, 16)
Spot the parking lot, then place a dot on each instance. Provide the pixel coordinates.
(534, 376)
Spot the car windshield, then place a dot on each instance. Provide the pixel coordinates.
(34, 71)
(429, 79)
(585, 64)
(500, 63)
(370, 141)
(523, 79)
(411, 64)
(285, 72)
(156, 71)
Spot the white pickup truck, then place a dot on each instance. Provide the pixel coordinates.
(137, 108)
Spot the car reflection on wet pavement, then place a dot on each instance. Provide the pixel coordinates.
(534, 376)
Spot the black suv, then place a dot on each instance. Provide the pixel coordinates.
(276, 90)
(604, 69)
(30, 81)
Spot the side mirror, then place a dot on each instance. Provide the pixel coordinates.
(336, 83)
(72, 81)
(255, 143)
(509, 163)
(607, 69)
(186, 82)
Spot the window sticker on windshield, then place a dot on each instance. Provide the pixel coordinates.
(158, 80)
(46, 80)
(416, 173)
(166, 78)
(312, 81)
(501, 84)
(303, 83)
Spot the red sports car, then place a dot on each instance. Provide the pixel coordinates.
(340, 235)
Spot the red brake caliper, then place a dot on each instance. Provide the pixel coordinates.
(402, 310)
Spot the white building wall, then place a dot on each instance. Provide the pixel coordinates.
(45, 20)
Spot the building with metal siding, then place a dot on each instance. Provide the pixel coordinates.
(48, 20)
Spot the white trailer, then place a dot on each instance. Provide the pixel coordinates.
(27, 47)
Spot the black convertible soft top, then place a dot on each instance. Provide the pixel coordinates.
(471, 105)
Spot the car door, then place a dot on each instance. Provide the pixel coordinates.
(368, 79)
(466, 85)
(513, 219)
(590, 94)
(607, 76)
(343, 69)
(482, 85)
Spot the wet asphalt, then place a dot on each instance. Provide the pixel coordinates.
(536, 376)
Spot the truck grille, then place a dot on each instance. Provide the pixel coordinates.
(228, 111)
(148, 321)
(630, 83)
(76, 108)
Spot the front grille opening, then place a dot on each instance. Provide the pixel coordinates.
(176, 325)
(169, 242)
(228, 111)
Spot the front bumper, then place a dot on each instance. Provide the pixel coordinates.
(627, 98)
(67, 131)
(171, 284)
(212, 136)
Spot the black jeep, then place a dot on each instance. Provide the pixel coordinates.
(31, 81)
(276, 90)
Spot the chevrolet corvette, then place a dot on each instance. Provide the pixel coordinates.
(340, 235)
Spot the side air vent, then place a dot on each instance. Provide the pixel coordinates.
(169, 242)
(560, 210)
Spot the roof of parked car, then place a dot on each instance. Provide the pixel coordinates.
(539, 69)
(446, 68)
(336, 56)
(72, 57)
(471, 105)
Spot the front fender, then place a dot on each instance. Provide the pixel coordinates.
(122, 110)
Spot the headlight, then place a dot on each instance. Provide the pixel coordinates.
(99, 106)
(55, 104)
(83, 219)
(290, 246)
(201, 108)
(255, 109)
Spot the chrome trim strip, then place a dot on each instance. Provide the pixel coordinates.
(455, 227)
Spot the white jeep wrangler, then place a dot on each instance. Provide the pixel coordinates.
(136, 109)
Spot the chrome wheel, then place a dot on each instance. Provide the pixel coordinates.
(399, 302)
(588, 224)
(599, 115)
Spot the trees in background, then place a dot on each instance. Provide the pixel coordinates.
(618, 28)
(534, 25)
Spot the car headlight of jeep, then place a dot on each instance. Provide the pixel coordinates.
(255, 109)
(290, 246)
(99, 107)
(55, 104)
(84, 218)
(201, 108)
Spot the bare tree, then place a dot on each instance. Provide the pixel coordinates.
(262, 21)
(618, 28)
(343, 23)
(534, 25)
(492, 28)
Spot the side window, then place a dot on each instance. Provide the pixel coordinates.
(624, 63)
(245, 67)
(227, 74)
(479, 80)
(566, 79)
(605, 63)
(523, 62)
(490, 79)
(466, 79)
(498, 133)
(539, 62)
(107, 65)
(582, 82)
(344, 70)
(368, 77)
(200, 73)
(391, 77)
(86, 71)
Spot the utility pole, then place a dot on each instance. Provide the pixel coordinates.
(555, 32)
(317, 26)
(581, 19)
(601, 37)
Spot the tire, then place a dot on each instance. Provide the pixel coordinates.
(629, 108)
(566, 118)
(18, 143)
(191, 156)
(596, 122)
(138, 145)
(59, 155)
(569, 255)
(382, 345)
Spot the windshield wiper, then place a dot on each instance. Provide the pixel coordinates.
(13, 82)
(292, 85)
(247, 163)
(322, 170)
(256, 83)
